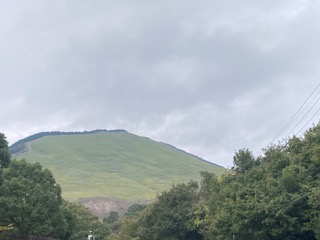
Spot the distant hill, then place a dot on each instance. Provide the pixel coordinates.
(114, 164)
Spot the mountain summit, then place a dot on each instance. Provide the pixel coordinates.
(114, 164)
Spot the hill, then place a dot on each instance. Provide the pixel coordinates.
(114, 164)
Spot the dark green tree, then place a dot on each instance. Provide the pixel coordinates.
(275, 196)
(127, 230)
(134, 210)
(172, 215)
(112, 217)
(30, 200)
(80, 221)
(4, 152)
(127, 226)
(243, 161)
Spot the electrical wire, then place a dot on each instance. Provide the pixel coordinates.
(303, 117)
(295, 115)
(308, 121)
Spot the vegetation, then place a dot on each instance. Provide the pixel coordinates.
(80, 221)
(4, 152)
(30, 200)
(31, 204)
(114, 164)
(21, 146)
(271, 197)
(172, 215)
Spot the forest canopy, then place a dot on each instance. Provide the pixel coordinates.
(270, 197)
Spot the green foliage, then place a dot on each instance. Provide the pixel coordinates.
(110, 164)
(127, 230)
(127, 226)
(31, 204)
(30, 200)
(111, 218)
(171, 216)
(243, 161)
(80, 221)
(4, 152)
(134, 210)
(273, 197)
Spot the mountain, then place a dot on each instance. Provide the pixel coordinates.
(114, 164)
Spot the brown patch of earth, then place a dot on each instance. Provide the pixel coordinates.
(102, 206)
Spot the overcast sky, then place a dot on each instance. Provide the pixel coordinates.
(209, 77)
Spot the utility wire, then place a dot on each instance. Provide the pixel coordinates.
(293, 118)
(308, 121)
(303, 116)
(295, 115)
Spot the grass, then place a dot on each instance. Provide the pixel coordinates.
(116, 164)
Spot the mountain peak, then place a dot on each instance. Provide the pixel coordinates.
(20, 146)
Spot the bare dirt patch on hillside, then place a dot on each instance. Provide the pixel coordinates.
(102, 206)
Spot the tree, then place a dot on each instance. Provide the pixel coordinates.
(4, 152)
(275, 197)
(134, 210)
(172, 215)
(112, 217)
(80, 221)
(127, 230)
(127, 226)
(243, 160)
(30, 200)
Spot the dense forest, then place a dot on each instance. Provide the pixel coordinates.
(274, 196)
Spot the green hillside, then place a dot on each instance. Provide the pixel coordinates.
(114, 164)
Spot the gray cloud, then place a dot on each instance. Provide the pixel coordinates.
(209, 77)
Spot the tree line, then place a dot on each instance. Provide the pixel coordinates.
(274, 196)
(271, 197)
(31, 204)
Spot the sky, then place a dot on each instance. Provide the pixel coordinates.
(209, 77)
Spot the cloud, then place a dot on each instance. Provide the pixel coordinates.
(209, 77)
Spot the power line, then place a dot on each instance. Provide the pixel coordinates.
(308, 121)
(296, 113)
(294, 117)
(303, 117)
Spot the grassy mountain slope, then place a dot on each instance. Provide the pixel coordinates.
(116, 164)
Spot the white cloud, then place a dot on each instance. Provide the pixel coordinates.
(209, 77)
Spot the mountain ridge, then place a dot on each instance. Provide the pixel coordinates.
(108, 170)
(17, 147)
(20, 146)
